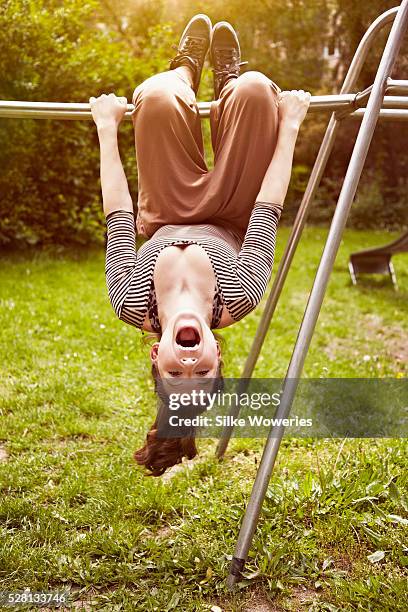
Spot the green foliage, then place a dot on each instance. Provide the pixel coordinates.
(374, 206)
(54, 50)
(283, 40)
(76, 400)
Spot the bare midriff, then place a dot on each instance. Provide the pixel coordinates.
(185, 268)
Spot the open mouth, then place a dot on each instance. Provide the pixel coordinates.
(188, 337)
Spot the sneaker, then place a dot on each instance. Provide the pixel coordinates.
(193, 47)
(225, 55)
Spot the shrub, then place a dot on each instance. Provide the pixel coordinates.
(49, 182)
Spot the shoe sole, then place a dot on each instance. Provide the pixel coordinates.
(203, 18)
(225, 25)
(198, 17)
(218, 26)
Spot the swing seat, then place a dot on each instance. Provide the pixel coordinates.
(378, 260)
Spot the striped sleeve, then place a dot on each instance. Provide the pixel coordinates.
(120, 257)
(255, 260)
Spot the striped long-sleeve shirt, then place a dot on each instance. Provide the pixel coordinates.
(241, 274)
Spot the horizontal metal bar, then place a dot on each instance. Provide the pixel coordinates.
(40, 110)
(31, 113)
(397, 86)
(79, 111)
(393, 86)
(395, 102)
(386, 114)
(50, 110)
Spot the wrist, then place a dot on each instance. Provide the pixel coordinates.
(110, 127)
(290, 126)
(264, 199)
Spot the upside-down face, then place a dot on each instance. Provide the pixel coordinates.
(187, 349)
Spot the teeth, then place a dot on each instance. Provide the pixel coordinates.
(188, 348)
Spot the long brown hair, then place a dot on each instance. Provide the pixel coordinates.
(159, 453)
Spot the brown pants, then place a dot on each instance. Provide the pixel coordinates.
(175, 185)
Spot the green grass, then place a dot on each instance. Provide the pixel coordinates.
(76, 401)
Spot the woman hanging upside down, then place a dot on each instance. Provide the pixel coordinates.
(211, 233)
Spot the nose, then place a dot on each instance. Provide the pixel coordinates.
(188, 360)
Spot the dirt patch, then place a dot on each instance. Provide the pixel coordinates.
(164, 532)
(188, 464)
(337, 346)
(342, 562)
(393, 338)
(3, 454)
(81, 605)
(257, 600)
(260, 603)
(254, 600)
(302, 596)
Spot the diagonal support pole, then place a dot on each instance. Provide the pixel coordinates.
(314, 304)
(325, 150)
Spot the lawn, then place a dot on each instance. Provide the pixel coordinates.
(76, 400)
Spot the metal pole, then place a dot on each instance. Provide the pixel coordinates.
(397, 86)
(15, 109)
(325, 150)
(386, 114)
(74, 111)
(312, 311)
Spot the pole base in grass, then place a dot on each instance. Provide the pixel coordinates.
(235, 575)
(232, 581)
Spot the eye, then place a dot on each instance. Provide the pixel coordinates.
(175, 373)
(203, 372)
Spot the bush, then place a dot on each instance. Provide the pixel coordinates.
(68, 50)
(49, 181)
(379, 207)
